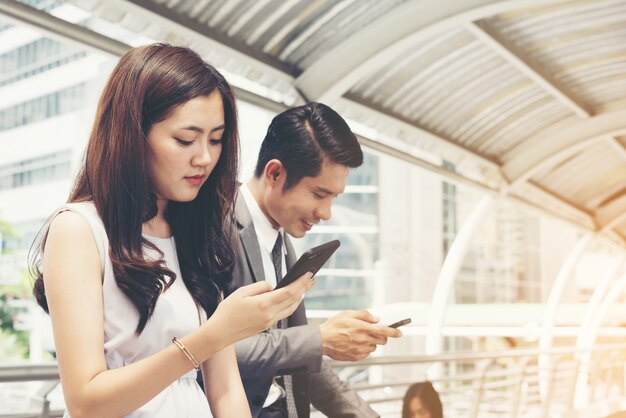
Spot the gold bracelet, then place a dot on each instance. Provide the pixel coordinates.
(186, 352)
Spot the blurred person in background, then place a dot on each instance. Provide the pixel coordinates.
(421, 400)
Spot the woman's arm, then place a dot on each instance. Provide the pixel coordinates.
(223, 386)
(73, 283)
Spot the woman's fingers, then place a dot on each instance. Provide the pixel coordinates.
(263, 305)
(253, 289)
(285, 300)
(296, 290)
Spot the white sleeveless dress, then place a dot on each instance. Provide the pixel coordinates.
(175, 315)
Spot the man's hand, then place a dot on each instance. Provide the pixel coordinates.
(352, 335)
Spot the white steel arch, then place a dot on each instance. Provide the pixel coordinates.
(375, 45)
(593, 330)
(583, 340)
(444, 145)
(546, 149)
(612, 213)
(449, 272)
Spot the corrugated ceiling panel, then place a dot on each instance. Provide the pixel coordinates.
(326, 37)
(456, 87)
(583, 45)
(413, 71)
(294, 31)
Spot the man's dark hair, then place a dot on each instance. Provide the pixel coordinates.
(301, 137)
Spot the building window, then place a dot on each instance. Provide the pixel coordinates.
(449, 207)
(37, 170)
(34, 58)
(43, 107)
(345, 281)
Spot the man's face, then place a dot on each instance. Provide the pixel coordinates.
(308, 202)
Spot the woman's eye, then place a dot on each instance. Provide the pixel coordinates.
(318, 196)
(215, 141)
(183, 142)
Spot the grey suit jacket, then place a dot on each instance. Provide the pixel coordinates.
(296, 350)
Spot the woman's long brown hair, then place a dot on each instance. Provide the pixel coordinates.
(145, 87)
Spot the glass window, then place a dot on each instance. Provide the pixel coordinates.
(43, 107)
(345, 281)
(36, 57)
(38, 170)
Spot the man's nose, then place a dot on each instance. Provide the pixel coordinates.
(324, 211)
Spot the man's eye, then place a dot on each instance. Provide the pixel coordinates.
(183, 142)
(318, 196)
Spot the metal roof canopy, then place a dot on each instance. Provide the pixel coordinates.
(526, 98)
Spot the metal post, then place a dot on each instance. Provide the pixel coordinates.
(43, 393)
(480, 389)
(550, 389)
(518, 395)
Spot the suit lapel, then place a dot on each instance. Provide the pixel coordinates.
(248, 238)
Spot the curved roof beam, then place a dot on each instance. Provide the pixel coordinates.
(558, 207)
(415, 132)
(552, 146)
(378, 43)
(617, 146)
(612, 213)
(526, 65)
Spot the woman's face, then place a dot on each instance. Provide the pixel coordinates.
(417, 409)
(185, 147)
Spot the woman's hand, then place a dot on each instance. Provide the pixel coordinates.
(254, 308)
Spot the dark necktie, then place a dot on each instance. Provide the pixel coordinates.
(277, 260)
(277, 257)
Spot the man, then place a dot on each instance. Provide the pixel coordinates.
(303, 165)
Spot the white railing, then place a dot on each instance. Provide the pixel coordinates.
(499, 384)
(25, 390)
(473, 384)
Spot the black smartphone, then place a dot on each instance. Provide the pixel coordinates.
(312, 260)
(400, 323)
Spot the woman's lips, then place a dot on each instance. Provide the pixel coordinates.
(194, 180)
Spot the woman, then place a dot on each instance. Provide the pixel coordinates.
(137, 260)
(422, 401)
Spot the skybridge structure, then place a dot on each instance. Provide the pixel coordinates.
(494, 209)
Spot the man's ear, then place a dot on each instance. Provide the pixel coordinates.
(275, 173)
